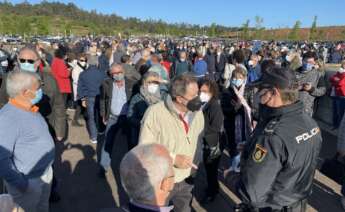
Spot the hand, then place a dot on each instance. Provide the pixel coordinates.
(83, 103)
(59, 138)
(104, 121)
(307, 87)
(336, 78)
(184, 162)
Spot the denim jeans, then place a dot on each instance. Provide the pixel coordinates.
(36, 198)
(91, 117)
(114, 125)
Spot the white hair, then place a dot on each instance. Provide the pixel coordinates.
(142, 170)
(19, 81)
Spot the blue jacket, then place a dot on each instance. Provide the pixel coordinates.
(200, 68)
(254, 73)
(89, 82)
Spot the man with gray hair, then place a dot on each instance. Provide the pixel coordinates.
(116, 93)
(178, 124)
(26, 146)
(148, 177)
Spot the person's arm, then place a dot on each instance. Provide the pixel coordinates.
(320, 89)
(132, 113)
(216, 122)
(149, 131)
(81, 90)
(8, 172)
(260, 169)
(3, 93)
(102, 102)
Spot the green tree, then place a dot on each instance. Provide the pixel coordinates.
(294, 34)
(259, 29)
(245, 30)
(43, 26)
(213, 30)
(313, 30)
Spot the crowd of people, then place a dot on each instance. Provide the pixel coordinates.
(178, 104)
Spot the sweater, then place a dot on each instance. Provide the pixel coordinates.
(26, 146)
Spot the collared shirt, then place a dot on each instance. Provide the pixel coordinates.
(119, 104)
(153, 208)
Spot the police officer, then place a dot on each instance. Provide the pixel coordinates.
(279, 161)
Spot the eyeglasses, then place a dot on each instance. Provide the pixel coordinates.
(82, 60)
(27, 61)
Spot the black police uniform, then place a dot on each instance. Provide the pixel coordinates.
(278, 164)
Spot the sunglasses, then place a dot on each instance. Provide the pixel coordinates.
(27, 61)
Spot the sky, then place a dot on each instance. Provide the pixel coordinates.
(275, 13)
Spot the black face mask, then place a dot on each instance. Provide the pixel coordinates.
(194, 104)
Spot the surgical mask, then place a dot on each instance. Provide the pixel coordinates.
(152, 88)
(119, 77)
(341, 70)
(237, 82)
(38, 97)
(27, 67)
(182, 59)
(204, 97)
(82, 64)
(194, 104)
(251, 63)
(98, 53)
(308, 66)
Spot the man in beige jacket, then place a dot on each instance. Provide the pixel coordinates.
(178, 124)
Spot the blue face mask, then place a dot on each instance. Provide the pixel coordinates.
(27, 67)
(237, 82)
(38, 97)
(308, 66)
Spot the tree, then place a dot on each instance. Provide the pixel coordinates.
(313, 30)
(245, 30)
(293, 35)
(258, 27)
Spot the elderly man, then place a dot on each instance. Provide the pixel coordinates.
(148, 177)
(177, 123)
(51, 106)
(116, 93)
(26, 152)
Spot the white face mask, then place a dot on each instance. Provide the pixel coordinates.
(83, 64)
(152, 88)
(98, 53)
(204, 97)
(341, 70)
(251, 63)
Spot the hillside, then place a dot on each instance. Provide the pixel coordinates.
(53, 18)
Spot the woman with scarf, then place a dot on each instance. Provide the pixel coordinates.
(237, 103)
(149, 94)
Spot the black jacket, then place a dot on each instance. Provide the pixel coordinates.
(131, 86)
(278, 163)
(220, 66)
(213, 122)
(52, 105)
